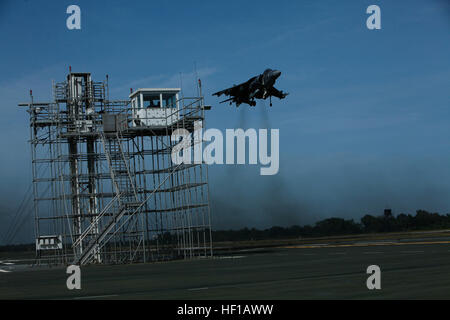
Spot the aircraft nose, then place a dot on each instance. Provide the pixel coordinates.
(276, 73)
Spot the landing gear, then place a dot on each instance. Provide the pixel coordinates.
(270, 97)
(252, 103)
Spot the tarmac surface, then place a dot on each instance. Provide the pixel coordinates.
(408, 271)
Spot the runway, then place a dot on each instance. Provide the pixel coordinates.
(413, 271)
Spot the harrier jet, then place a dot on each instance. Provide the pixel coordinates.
(259, 87)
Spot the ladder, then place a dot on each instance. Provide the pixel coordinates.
(97, 243)
(125, 201)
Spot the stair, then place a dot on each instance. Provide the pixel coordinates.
(126, 201)
(94, 243)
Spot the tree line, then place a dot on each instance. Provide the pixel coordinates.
(422, 220)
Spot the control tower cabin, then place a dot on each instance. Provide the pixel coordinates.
(104, 184)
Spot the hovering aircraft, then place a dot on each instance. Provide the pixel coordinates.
(259, 87)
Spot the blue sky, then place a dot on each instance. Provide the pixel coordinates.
(366, 124)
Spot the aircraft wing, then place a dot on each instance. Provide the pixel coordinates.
(235, 90)
(230, 99)
(277, 93)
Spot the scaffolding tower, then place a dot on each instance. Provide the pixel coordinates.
(105, 187)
